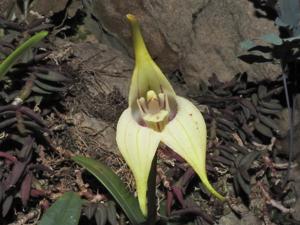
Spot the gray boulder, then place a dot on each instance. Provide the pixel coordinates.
(197, 37)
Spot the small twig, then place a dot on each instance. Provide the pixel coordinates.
(238, 139)
(237, 207)
(25, 218)
(65, 153)
(25, 92)
(85, 192)
(268, 147)
(279, 166)
(271, 201)
(164, 179)
(8, 156)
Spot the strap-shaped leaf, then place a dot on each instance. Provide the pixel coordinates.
(272, 39)
(115, 186)
(16, 54)
(65, 211)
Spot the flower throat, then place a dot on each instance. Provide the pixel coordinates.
(155, 110)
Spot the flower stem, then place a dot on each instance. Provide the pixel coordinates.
(151, 194)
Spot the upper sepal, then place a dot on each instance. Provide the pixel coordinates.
(146, 75)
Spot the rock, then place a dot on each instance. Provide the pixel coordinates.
(229, 219)
(4, 6)
(197, 37)
(39, 8)
(101, 68)
(109, 68)
(282, 144)
(102, 76)
(48, 8)
(247, 219)
(250, 219)
(101, 131)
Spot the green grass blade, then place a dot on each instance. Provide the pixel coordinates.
(10, 60)
(65, 211)
(115, 186)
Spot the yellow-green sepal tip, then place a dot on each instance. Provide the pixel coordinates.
(146, 75)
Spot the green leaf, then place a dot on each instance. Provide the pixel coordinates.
(16, 54)
(272, 39)
(65, 211)
(247, 44)
(115, 186)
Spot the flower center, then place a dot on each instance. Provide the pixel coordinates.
(154, 110)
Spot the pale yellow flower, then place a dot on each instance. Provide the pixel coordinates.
(157, 115)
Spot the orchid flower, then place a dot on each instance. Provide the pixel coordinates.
(157, 115)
